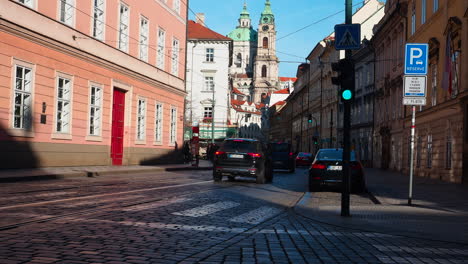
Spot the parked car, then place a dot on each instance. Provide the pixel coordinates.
(282, 155)
(304, 159)
(327, 169)
(242, 157)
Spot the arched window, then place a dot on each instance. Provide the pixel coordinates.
(265, 43)
(239, 60)
(264, 71)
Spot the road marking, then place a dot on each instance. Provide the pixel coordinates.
(256, 216)
(207, 209)
(155, 204)
(102, 195)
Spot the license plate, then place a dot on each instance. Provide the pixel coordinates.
(335, 168)
(236, 156)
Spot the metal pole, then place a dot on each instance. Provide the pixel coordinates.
(346, 130)
(213, 116)
(413, 126)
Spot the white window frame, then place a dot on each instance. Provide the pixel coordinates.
(434, 71)
(28, 3)
(124, 27)
(141, 120)
(208, 111)
(160, 54)
(435, 5)
(209, 55)
(413, 21)
(175, 56)
(98, 19)
(173, 126)
(208, 83)
(66, 112)
(66, 12)
(176, 6)
(144, 38)
(25, 127)
(95, 109)
(158, 123)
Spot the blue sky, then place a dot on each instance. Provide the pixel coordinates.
(290, 15)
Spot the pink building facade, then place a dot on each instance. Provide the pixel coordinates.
(91, 82)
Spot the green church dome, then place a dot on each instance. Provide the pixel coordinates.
(243, 34)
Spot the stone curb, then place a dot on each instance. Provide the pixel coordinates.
(38, 176)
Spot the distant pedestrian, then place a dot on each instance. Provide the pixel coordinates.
(187, 153)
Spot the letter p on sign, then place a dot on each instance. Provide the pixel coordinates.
(415, 53)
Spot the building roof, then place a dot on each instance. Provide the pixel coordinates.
(198, 31)
(243, 34)
(279, 103)
(284, 91)
(286, 79)
(236, 91)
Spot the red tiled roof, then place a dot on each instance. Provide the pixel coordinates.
(198, 31)
(237, 102)
(236, 91)
(284, 91)
(285, 79)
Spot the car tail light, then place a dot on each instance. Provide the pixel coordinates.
(254, 155)
(318, 166)
(219, 153)
(356, 166)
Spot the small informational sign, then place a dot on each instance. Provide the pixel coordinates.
(416, 57)
(414, 91)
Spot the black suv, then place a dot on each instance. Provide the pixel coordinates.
(242, 157)
(282, 155)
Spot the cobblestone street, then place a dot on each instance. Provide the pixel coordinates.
(183, 217)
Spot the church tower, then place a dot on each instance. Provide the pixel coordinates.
(266, 62)
(244, 51)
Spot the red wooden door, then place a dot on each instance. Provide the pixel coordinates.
(118, 114)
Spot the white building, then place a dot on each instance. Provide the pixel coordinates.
(208, 61)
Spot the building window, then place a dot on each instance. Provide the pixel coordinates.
(434, 84)
(435, 5)
(239, 60)
(209, 83)
(175, 56)
(208, 112)
(423, 11)
(66, 11)
(62, 121)
(28, 3)
(98, 19)
(158, 123)
(413, 21)
(429, 151)
(143, 39)
(265, 43)
(210, 55)
(448, 153)
(264, 71)
(141, 119)
(95, 104)
(22, 115)
(161, 48)
(173, 127)
(123, 27)
(177, 6)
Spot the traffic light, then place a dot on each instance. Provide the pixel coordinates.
(315, 140)
(345, 78)
(309, 119)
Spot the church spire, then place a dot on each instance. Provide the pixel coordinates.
(244, 19)
(267, 15)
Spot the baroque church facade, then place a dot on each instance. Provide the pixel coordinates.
(254, 70)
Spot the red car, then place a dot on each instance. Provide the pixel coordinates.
(304, 159)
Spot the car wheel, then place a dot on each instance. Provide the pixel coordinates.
(314, 187)
(261, 177)
(359, 187)
(231, 178)
(217, 177)
(292, 170)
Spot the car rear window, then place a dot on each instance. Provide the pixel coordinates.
(302, 154)
(240, 146)
(280, 147)
(333, 155)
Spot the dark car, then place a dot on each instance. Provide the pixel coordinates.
(282, 156)
(304, 159)
(242, 157)
(327, 169)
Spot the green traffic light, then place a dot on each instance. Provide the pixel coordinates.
(347, 95)
(310, 120)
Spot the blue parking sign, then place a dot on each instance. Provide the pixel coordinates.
(416, 57)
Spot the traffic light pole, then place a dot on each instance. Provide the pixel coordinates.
(346, 128)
